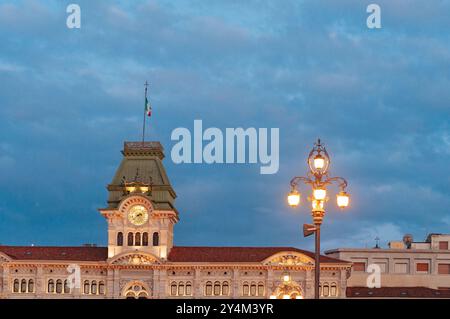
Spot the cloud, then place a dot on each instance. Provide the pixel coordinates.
(378, 98)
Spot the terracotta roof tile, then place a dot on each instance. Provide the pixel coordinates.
(56, 253)
(177, 254)
(234, 254)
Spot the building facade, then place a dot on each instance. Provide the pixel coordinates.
(408, 269)
(141, 260)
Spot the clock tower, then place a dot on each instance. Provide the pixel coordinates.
(140, 213)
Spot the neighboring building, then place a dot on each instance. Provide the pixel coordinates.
(142, 262)
(408, 268)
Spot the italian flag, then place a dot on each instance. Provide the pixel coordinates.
(148, 108)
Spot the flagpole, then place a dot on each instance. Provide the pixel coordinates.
(143, 125)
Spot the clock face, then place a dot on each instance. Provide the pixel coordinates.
(138, 215)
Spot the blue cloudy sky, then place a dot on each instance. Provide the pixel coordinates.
(380, 99)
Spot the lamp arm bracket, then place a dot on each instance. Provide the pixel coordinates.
(342, 182)
(296, 180)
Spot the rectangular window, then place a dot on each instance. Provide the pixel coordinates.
(422, 267)
(443, 245)
(401, 268)
(444, 269)
(359, 266)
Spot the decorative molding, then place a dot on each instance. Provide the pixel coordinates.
(289, 259)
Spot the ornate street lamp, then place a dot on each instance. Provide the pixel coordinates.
(319, 163)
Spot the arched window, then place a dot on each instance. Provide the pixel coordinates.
(326, 290)
(137, 240)
(51, 286)
(23, 286)
(245, 289)
(173, 289)
(130, 239)
(66, 287)
(155, 239)
(188, 289)
(208, 288)
(253, 289)
(225, 289)
(216, 288)
(119, 239)
(181, 289)
(86, 287)
(333, 290)
(145, 239)
(101, 288)
(16, 285)
(59, 286)
(31, 285)
(94, 288)
(260, 289)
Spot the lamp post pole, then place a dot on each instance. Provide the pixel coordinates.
(318, 162)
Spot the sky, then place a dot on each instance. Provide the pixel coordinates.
(378, 98)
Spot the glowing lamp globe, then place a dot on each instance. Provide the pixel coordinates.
(320, 193)
(293, 198)
(319, 162)
(343, 199)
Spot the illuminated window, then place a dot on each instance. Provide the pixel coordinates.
(444, 269)
(422, 267)
(359, 266)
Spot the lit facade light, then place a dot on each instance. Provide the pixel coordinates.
(319, 162)
(144, 189)
(299, 297)
(273, 297)
(343, 199)
(286, 297)
(131, 189)
(320, 194)
(293, 198)
(286, 277)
